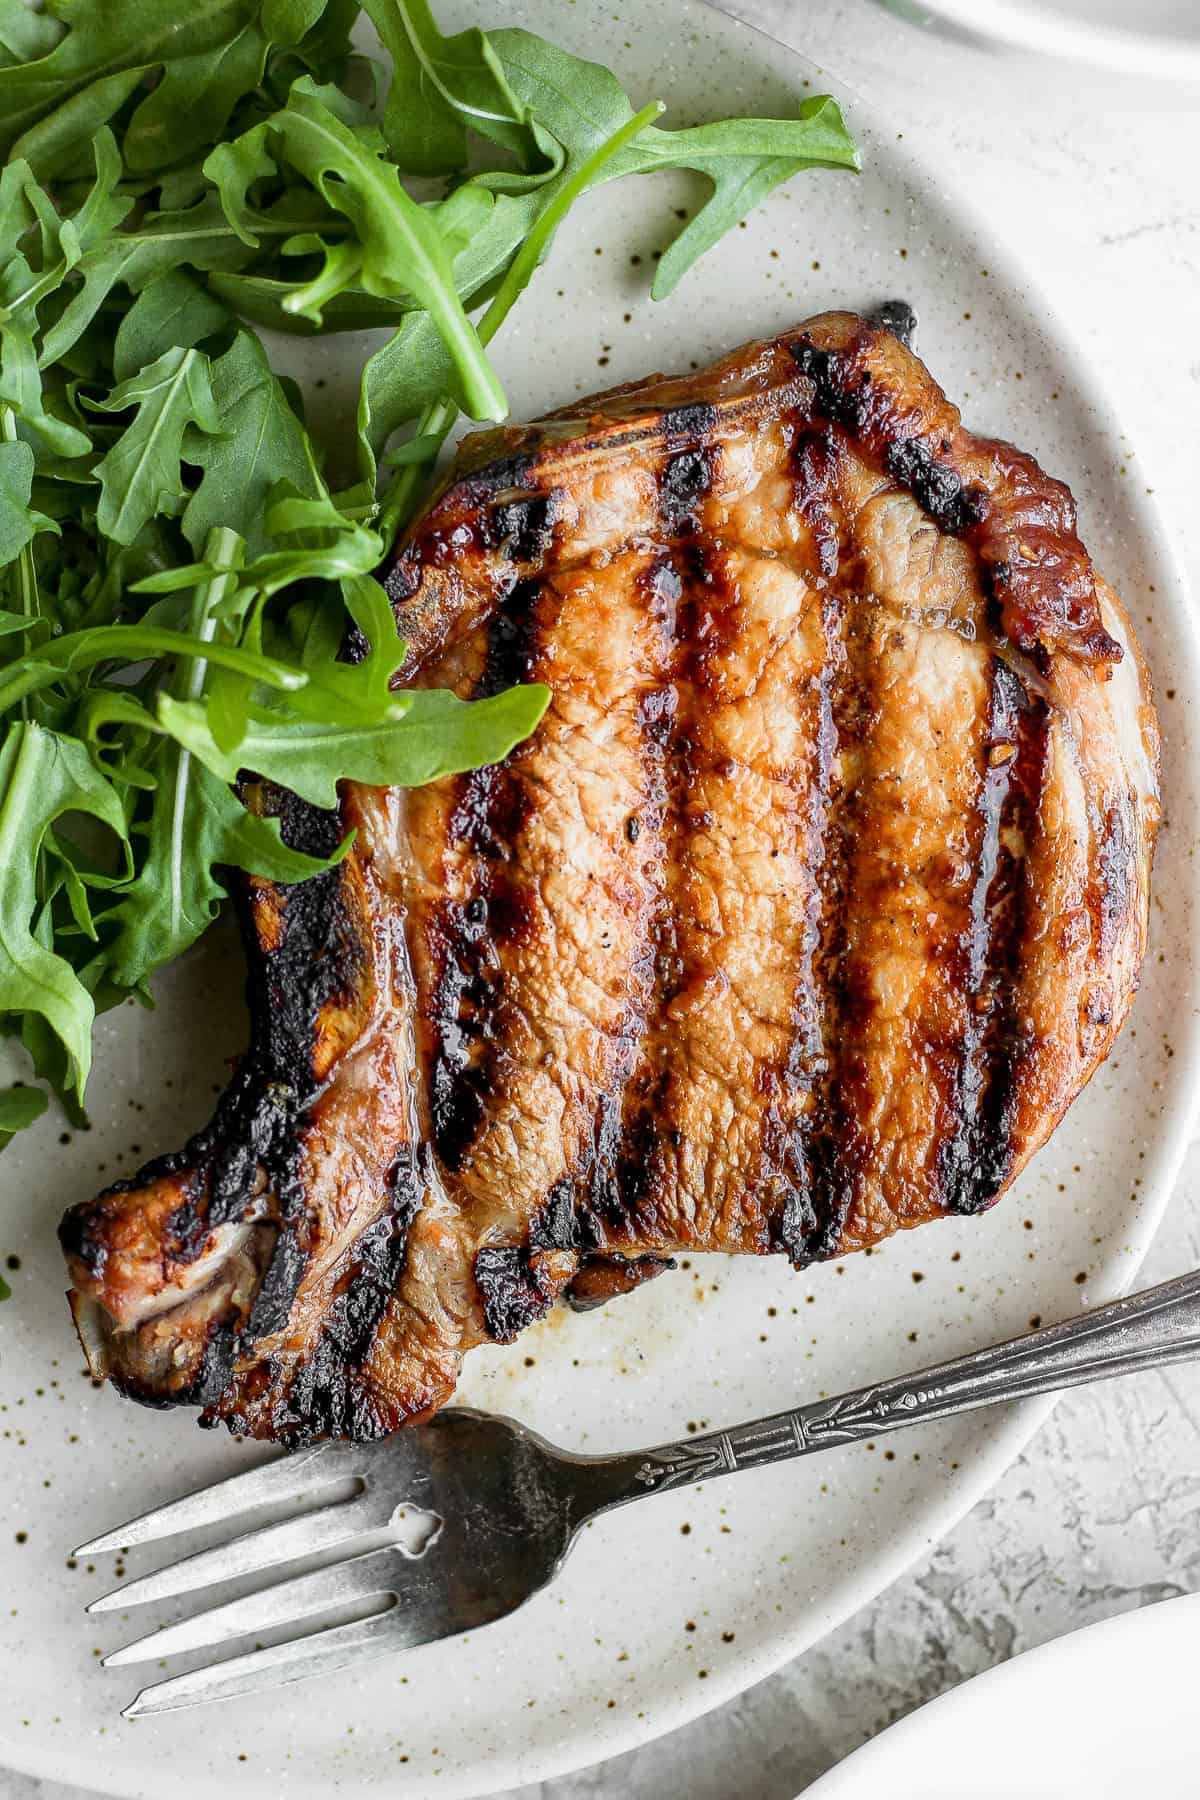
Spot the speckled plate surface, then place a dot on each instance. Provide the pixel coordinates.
(668, 1609)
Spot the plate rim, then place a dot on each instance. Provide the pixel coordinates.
(944, 196)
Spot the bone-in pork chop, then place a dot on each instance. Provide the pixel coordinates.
(813, 902)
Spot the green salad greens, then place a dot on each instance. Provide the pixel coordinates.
(178, 570)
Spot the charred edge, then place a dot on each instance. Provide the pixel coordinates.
(469, 935)
(898, 317)
(504, 474)
(255, 1138)
(331, 1396)
(845, 393)
(605, 1278)
(81, 1232)
(321, 955)
(976, 1162)
(469, 518)
(401, 578)
(514, 1291)
(788, 1149)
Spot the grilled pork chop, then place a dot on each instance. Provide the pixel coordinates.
(811, 905)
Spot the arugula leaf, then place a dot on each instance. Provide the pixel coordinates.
(744, 159)
(401, 249)
(141, 474)
(580, 104)
(205, 56)
(439, 85)
(81, 650)
(438, 735)
(18, 520)
(196, 827)
(19, 1108)
(21, 390)
(25, 35)
(172, 312)
(199, 236)
(42, 776)
(261, 443)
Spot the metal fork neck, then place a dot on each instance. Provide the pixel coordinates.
(1151, 1329)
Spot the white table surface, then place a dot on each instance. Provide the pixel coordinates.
(1097, 186)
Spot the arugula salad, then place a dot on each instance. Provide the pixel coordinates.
(179, 571)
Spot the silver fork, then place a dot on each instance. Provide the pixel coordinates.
(500, 1507)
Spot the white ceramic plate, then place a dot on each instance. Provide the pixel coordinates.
(663, 1611)
(1159, 39)
(1097, 1715)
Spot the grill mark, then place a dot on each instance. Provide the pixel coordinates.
(989, 950)
(683, 481)
(554, 1225)
(522, 529)
(830, 1130)
(619, 1165)
(696, 419)
(808, 1154)
(467, 936)
(1111, 874)
(813, 458)
(845, 392)
(974, 1164)
(954, 507)
(646, 1126)
(788, 1143)
(633, 1131)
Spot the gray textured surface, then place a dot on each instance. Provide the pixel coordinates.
(1096, 187)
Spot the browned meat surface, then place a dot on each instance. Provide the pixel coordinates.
(814, 901)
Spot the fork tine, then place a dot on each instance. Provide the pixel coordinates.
(339, 1647)
(245, 1555)
(286, 1478)
(284, 1603)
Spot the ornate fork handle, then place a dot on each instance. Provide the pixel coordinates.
(1148, 1330)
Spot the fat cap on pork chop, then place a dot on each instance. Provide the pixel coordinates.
(819, 893)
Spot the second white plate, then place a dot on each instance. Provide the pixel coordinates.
(1098, 1715)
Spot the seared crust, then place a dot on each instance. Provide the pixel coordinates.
(813, 902)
